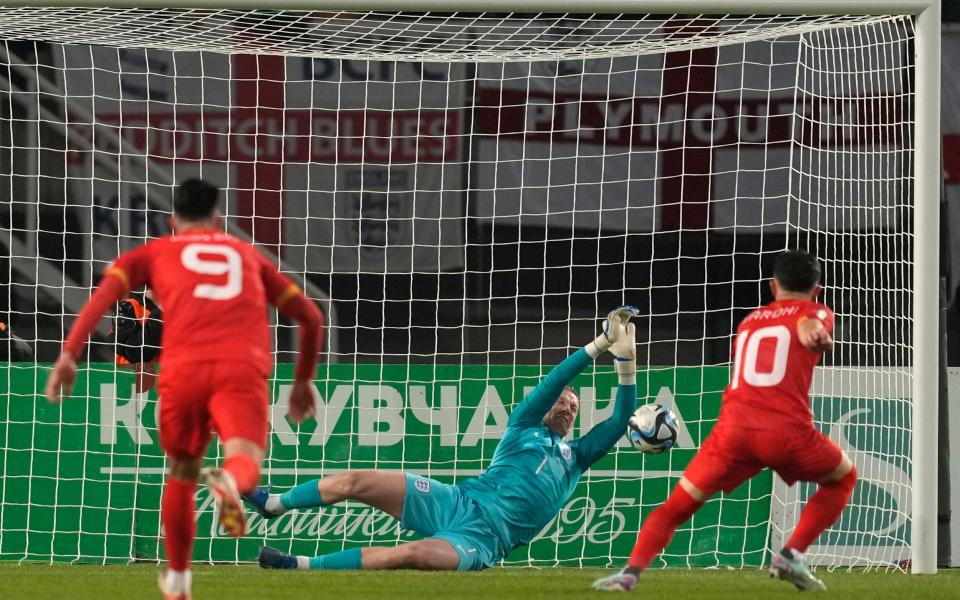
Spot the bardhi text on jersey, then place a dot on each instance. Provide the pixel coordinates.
(204, 236)
(772, 313)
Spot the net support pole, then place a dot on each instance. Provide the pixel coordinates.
(926, 231)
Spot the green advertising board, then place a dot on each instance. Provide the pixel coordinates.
(82, 481)
(867, 412)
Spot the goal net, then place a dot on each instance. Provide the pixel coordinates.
(464, 194)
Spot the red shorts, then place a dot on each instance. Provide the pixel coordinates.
(230, 397)
(729, 456)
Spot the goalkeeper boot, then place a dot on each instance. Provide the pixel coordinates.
(789, 566)
(229, 506)
(258, 499)
(623, 581)
(274, 559)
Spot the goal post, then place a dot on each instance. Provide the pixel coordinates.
(479, 163)
(926, 291)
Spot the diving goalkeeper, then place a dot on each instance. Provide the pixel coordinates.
(472, 525)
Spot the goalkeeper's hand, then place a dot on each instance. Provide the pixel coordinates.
(619, 335)
(624, 347)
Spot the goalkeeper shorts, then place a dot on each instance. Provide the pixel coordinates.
(440, 510)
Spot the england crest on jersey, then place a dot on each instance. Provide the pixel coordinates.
(565, 450)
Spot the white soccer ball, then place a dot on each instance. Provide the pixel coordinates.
(652, 429)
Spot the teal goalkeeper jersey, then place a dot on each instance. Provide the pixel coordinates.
(534, 471)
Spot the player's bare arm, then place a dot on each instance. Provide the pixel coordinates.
(115, 285)
(290, 300)
(61, 378)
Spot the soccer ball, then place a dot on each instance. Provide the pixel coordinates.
(652, 429)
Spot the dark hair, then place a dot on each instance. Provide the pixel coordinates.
(195, 200)
(796, 271)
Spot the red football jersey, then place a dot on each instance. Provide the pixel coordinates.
(213, 289)
(770, 383)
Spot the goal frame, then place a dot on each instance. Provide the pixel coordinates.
(926, 160)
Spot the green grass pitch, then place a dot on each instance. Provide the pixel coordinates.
(132, 582)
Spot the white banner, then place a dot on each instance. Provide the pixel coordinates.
(690, 139)
(316, 155)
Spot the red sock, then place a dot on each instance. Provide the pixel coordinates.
(176, 507)
(822, 510)
(658, 529)
(245, 472)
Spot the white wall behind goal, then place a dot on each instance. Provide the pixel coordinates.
(606, 143)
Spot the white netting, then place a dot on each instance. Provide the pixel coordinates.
(464, 194)
(854, 95)
(402, 36)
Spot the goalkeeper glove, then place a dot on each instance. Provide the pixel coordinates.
(624, 351)
(614, 328)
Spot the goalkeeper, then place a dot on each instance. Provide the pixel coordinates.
(472, 525)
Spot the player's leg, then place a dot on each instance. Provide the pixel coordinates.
(658, 530)
(240, 471)
(383, 490)
(437, 511)
(431, 554)
(176, 509)
(816, 458)
(655, 534)
(825, 506)
(715, 467)
(184, 435)
(238, 410)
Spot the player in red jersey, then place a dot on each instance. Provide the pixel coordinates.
(214, 289)
(765, 421)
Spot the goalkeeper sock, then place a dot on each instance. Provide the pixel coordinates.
(822, 510)
(343, 560)
(305, 495)
(245, 472)
(177, 508)
(659, 527)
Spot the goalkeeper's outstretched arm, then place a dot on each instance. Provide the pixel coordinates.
(541, 399)
(601, 439)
